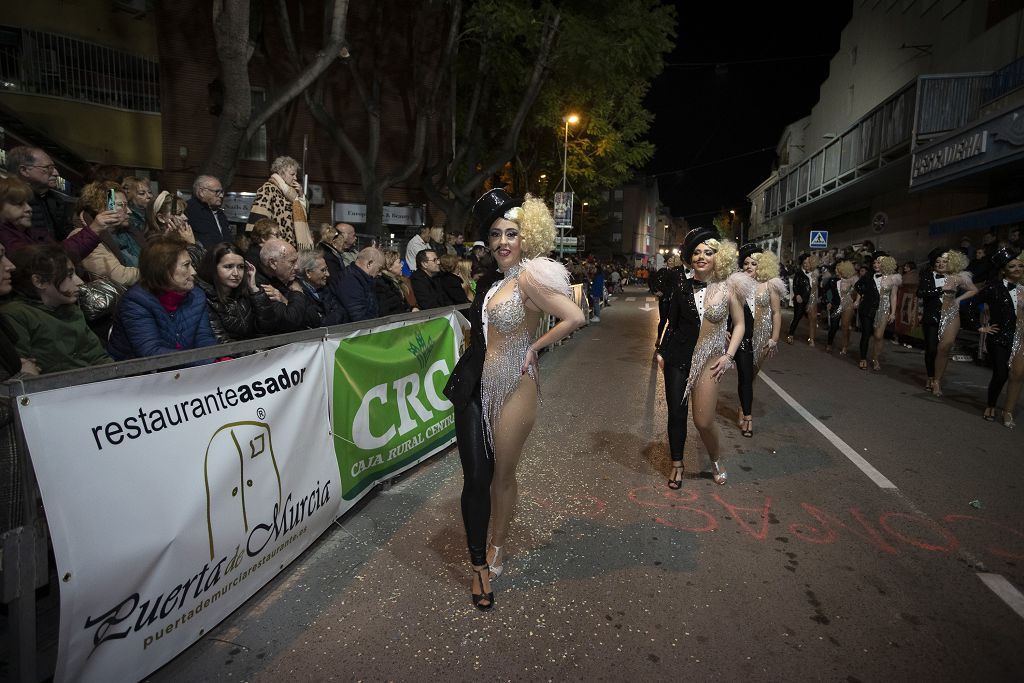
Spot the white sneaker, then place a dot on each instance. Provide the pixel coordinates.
(595, 319)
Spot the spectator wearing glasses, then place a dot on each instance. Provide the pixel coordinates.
(16, 221)
(276, 275)
(313, 275)
(49, 209)
(426, 286)
(209, 223)
(117, 255)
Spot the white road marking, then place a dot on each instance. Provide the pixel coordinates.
(862, 464)
(1005, 590)
(630, 298)
(650, 298)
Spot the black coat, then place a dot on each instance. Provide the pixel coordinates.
(50, 213)
(801, 286)
(299, 314)
(428, 291)
(210, 226)
(867, 290)
(683, 327)
(390, 298)
(1001, 312)
(464, 382)
(355, 290)
(930, 296)
(451, 285)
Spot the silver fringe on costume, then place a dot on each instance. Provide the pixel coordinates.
(885, 288)
(950, 310)
(711, 340)
(812, 299)
(508, 346)
(763, 318)
(1017, 346)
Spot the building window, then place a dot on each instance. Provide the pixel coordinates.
(52, 65)
(256, 148)
(616, 237)
(618, 195)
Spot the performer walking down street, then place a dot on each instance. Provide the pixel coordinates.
(763, 323)
(929, 294)
(1004, 296)
(952, 279)
(694, 355)
(805, 297)
(496, 384)
(877, 289)
(841, 313)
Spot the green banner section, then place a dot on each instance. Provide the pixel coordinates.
(388, 407)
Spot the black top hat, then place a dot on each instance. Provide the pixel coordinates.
(803, 257)
(748, 249)
(1002, 257)
(878, 253)
(934, 254)
(492, 206)
(695, 237)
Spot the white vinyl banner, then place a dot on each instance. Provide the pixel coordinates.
(173, 497)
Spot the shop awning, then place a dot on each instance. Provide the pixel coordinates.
(978, 220)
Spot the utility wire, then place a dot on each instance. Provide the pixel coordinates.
(766, 60)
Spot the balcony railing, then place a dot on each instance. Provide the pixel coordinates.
(881, 135)
(48, 64)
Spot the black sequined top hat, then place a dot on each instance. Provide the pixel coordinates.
(803, 257)
(1003, 256)
(695, 237)
(878, 253)
(492, 206)
(934, 254)
(748, 249)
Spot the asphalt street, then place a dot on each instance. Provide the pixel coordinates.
(868, 532)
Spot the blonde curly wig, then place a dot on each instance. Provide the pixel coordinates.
(956, 261)
(726, 255)
(845, 269)
(536, 226)
(886, 265)
(767, 266)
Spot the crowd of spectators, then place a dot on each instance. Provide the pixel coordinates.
(185, 279)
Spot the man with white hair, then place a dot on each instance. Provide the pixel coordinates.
(209, 222)
(275, 275)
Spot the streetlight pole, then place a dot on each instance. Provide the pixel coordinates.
(571, 118)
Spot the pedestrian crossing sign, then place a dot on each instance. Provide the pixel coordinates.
(819, 239)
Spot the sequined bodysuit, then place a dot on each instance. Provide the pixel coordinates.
(845, 287)
(508, 340)
(950, 309)
(1017, 346)
(812, 298)
(763, 317)
(885, 287)
(713, 327)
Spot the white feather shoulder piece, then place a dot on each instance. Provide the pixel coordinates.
(741, 285)
(778, 285)
(547, 274)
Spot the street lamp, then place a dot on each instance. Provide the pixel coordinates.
(571, 118)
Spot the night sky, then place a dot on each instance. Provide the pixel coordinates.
(770, 69)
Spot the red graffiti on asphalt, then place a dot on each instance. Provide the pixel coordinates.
(689, 511)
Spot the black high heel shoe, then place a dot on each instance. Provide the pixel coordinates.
(482, 601)
(676, 482)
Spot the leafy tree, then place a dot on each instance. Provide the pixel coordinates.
(235, 32)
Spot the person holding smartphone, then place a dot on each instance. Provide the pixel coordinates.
(117, 255)
(16, 231)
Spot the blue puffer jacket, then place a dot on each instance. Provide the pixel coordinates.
(143, 327)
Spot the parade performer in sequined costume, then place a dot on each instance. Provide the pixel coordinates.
(840, 315)
(950, 265)
(694, 354)
(496, 385)
(1004, 295)
(762, 321)
(877, 290)
(805, 297)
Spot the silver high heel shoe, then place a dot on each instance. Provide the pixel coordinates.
(497, 562)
